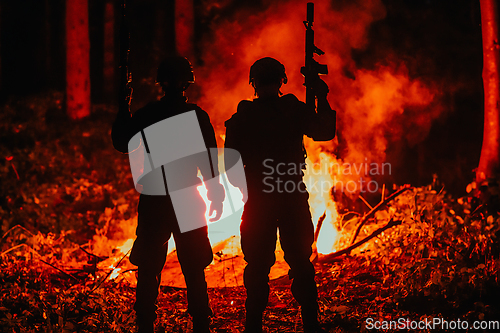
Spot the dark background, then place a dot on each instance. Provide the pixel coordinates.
(439, 40)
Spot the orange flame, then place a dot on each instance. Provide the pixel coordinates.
(370, 102)
(375, 106)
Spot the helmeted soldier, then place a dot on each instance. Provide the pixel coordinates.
(156, 214)
(268, 133)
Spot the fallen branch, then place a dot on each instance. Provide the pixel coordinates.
(365, 202)
(342, 219)
(60, 270)
(318, 226)
(17, 226)
(96, 257)
(372, 212)
(39, 255)
(314, 255)
(12, 249)
(108, 275)
(331, 256)
(228, 258)
(94, 260)
(9, 159)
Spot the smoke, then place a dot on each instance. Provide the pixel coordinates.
(374, 106)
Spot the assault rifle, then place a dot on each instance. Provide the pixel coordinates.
(312, 68)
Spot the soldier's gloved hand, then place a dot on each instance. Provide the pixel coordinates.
(215, 206)
(216, 195)
(245, 195)
(320, 88)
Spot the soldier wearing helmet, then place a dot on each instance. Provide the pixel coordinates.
(156, 216)
(175, 73)
(268, 133)
(267, 72)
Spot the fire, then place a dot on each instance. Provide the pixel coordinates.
(375, 106)
(229, 223)
(320, 201)
(127, 246)
(114, 273)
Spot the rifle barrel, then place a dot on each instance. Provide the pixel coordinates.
(310, 12)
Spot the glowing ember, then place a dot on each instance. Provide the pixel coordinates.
(127, 246)
(115, 272)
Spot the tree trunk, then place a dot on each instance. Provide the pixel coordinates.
(1, 78)
(77, 59)
(109, 49)
(48, 43)
(184, 27)
(489, 162)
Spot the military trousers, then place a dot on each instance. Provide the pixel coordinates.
(156, 224)
(264, 215)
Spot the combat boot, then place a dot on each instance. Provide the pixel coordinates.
(310, 321)
(201, 325)
(145, 327)
(253, 322)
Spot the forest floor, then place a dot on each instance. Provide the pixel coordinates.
(67, 205)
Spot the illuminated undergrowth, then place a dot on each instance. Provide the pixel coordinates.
(66, 198)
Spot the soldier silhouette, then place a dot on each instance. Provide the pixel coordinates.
(156, 215)
(268, 133)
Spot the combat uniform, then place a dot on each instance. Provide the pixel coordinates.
(268, 133)
(157, 221)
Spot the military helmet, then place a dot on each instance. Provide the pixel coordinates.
(267, 70)
(175, 69)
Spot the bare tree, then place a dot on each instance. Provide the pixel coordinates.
(489, 162)
(77, 59)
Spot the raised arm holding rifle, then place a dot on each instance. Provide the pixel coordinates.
(158, 216)
(268, 133)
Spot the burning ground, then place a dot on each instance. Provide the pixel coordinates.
(68, 214)
(68, 208)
